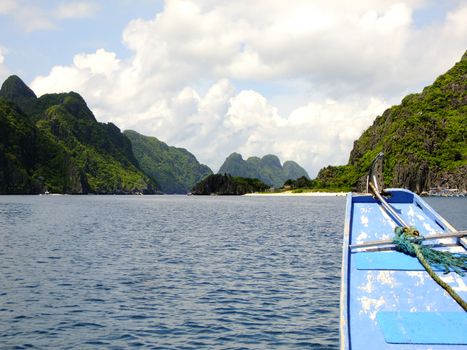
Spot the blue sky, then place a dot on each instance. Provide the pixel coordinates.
(300, 79)
(36, 51)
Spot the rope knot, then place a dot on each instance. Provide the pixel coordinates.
(409, 234)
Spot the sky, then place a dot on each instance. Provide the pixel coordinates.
(301, 79)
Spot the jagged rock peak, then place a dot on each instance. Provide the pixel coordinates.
(13, 88)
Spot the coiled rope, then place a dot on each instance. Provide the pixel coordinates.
(409, 241)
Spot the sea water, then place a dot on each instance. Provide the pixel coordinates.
(174, 272)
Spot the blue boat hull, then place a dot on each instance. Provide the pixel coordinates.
(388, 300)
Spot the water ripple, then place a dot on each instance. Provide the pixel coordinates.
(169, 272)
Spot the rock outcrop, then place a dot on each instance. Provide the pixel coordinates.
(218, 184)
(267, 169)
(54, 143)
(423, 139)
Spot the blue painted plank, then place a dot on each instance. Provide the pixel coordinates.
(388, 261)
(443, 328)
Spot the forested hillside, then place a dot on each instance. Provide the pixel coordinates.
(54, 143)
(423, 139)
(175, 170)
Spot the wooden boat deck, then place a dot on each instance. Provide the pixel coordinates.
(388, 301)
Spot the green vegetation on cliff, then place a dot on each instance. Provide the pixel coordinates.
(175, 170)
(267, 169)
(423, 139)
(54, 143)
(29, 159)
(219, 184)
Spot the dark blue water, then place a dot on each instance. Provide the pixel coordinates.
(171, 272)
(454, 210)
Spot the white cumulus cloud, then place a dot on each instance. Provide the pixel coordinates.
(204, 74)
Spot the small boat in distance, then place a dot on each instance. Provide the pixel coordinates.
(389, 298)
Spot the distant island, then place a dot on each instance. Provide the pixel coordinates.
(218, 184)
(268, 169)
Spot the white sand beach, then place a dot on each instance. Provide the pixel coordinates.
(304, 194)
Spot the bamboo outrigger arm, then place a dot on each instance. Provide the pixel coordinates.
(458, 234)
